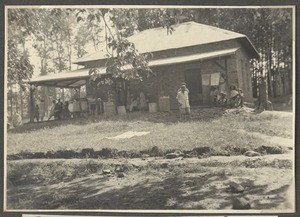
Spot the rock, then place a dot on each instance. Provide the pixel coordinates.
(202, 150)
(273, 149)
(240, 203)
(240, 150)
(270, 149)
(165, 165)
(187, 156)
(179, 153)
(236, 188)
(121, 175)
(106, 172)
(172, 155)
(120, 169)
(108, 153)
(155, 152)
(87, 152)
(251, 154)
(145, 155)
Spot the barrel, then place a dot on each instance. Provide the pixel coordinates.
(121, 110)
(109, 108)
(84, 106)
(76, 106)
(152, 107)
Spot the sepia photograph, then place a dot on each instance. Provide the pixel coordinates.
(153, 109)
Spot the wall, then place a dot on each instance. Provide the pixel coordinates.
(244, 74)
(171, 77)
(167, 79)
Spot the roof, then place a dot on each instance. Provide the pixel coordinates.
(79, 77)
(70, 79)
(184, 35)
(194, 57)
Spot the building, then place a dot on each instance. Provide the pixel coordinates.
(200, 55)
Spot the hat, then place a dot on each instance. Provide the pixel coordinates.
(183, 84)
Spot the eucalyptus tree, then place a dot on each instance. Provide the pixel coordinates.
(19, 67)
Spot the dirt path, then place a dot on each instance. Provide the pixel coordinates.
(156, 183)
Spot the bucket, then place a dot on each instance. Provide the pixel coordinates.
(152, 107)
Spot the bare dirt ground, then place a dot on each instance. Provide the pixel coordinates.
(156, 183)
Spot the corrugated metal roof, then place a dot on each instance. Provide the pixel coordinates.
(71, 79)
(78, 78)
(194, 57)
(184, 35)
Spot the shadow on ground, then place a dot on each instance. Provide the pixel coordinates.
(152, 190)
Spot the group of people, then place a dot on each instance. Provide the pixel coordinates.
(59, 110)
(236, 99)
(137, 103)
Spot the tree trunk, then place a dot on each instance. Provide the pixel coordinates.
(270, 80)
(31, 105)
(22, 103)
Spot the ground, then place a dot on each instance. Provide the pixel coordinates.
(150, 181)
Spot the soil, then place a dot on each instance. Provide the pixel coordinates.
(157, 183)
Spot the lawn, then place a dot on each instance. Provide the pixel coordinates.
(209, 127)
(198, 182)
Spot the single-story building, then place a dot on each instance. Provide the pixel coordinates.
(200, 55)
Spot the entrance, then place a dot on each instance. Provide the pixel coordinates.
(200, 86)
(193, 82)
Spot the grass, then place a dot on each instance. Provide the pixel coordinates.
(187, 183)
(209, 127)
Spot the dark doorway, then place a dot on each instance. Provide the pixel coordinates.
(193, 82)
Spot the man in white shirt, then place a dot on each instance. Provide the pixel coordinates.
(183, 100)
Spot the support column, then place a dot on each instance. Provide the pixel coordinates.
(31, 92)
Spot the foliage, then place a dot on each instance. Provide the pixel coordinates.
(18, 64)
(56, 33)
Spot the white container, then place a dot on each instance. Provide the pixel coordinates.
(152, 107)
(121, 110)
(76, 106)
(84, 106)
(71, 107)
(108, 108)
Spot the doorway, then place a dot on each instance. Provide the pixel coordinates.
(193, 82)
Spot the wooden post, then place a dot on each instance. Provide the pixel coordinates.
(31, 92)
(226, 76)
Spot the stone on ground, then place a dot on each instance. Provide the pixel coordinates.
(240, 203)
(252, 154)
(236, 188)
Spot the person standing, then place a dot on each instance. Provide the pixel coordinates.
(263, 96)
(183, 100)
(143, 101)
(59, 108)
(52, 110)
